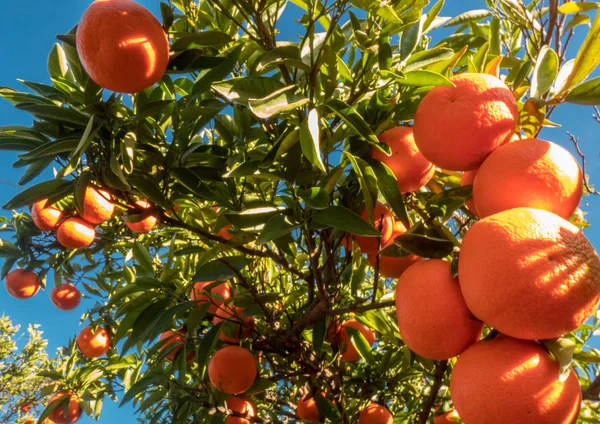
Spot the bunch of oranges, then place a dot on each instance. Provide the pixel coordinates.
(523, 269)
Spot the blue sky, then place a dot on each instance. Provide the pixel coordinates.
(28, 32)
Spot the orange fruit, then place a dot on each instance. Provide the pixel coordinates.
(407, 163)
(507, 380)
(146, 224)
(97, 205)
(450, 417)
(529, 173)
(393, 266)
(433, 319)
(458, 127)
(232, 370)
(529, 273)
(341, 339)
(75, 233)
(26, 407)
(375, 414)
(224, 232)
(218, 294)
(93, 344)
(122, 46)
(58, 415)
(241, 406)
(29, 421)
(468, 177)
(22, 283)
(306, 408)
(67, 297)
(45, 217)
(384, 223)
(242, 327)
(177, 338)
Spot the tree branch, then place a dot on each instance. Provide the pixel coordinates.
(575, 141)
(361, 308)
(593, 392)
(440, 370)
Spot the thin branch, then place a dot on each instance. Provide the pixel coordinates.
(440, 371)
(575, 141)
(553, 19)
(361, 308)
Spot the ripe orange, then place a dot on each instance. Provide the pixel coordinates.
(97, 205)
(458, 127)
(450, 417)
(507, 380)
(218, 294)
(75, 233)
(529, 173)
(468, 177)
(375, 414)
(529, 273)
(65, 298)
(232, 370)
(384, 223)
(241, 406)
(22, 283)
(122, 46)
(224, 232)
(306, 408)
(432, 316)
(29, 421)
(242, 327)
(390, 266)
(44, 217)
(175, 337)
(407, 163)
(26, 407)
(146, 224)
(73, 412)
(341, 339)
(93, 344)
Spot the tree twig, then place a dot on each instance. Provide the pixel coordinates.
(440, 370)
(361, 308)
(575, 141)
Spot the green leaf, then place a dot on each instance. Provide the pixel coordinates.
(276, 227)
(167, 15)
(310, 141)
(240, 90)
(217, 270)
(34, 170)
(315, 198)
(58, 114)
(587, 57)
(356, 122)
(346, 220)
(425, 58)
(424, 246)
(318, 335)
(470, 16)
(143, 258)
(37, 192)
(577, 7)
(8, 249)
(411, 37)
(52, 148)
(57, 62)
(148, 186)
(367, 180)
(206, 346)
(422, 78)
(114, 175)
(260, 385)
(286, 99)
(433, 14)
(388, 186)
(254, 216)
(545, 72)
(81, 184)
(217, 72)
(200, 39)
(360, 344)
(142, 385)
(587, 93)
(495, 43)
(562, 349)
(576, 21)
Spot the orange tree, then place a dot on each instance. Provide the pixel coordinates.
(218, 205)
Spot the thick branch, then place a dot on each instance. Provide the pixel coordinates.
(440, 370)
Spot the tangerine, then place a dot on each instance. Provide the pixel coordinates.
(22, 283)
(384, 223)
(73, 412)
(242, 325)
(122, 46)
(458, 127)
(66, 297)
(75, 233)
(97, 205)
(241, 406)
(93, 343)
(146, 224)
(393, 266)
(341, 338)
(375, 414)
(217, 295)
(232, 370)
(45, 217)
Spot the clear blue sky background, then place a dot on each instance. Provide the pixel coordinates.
(28, 32)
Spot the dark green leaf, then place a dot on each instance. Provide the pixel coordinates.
(277, 226)
(587, 93)
(424, 246)
(148, 186)
(388, 185)
(286, 99)
(38, 192)
(356, 122)
(309, 139)
(143, 258)
(240, 90)
(346, 220)
(217, 270)
(206, 346)
(315, 198)
(200, 39)
(420, 78)
(58, 114)
(141, 386)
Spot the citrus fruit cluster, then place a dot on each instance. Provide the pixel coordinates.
(524, 270)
